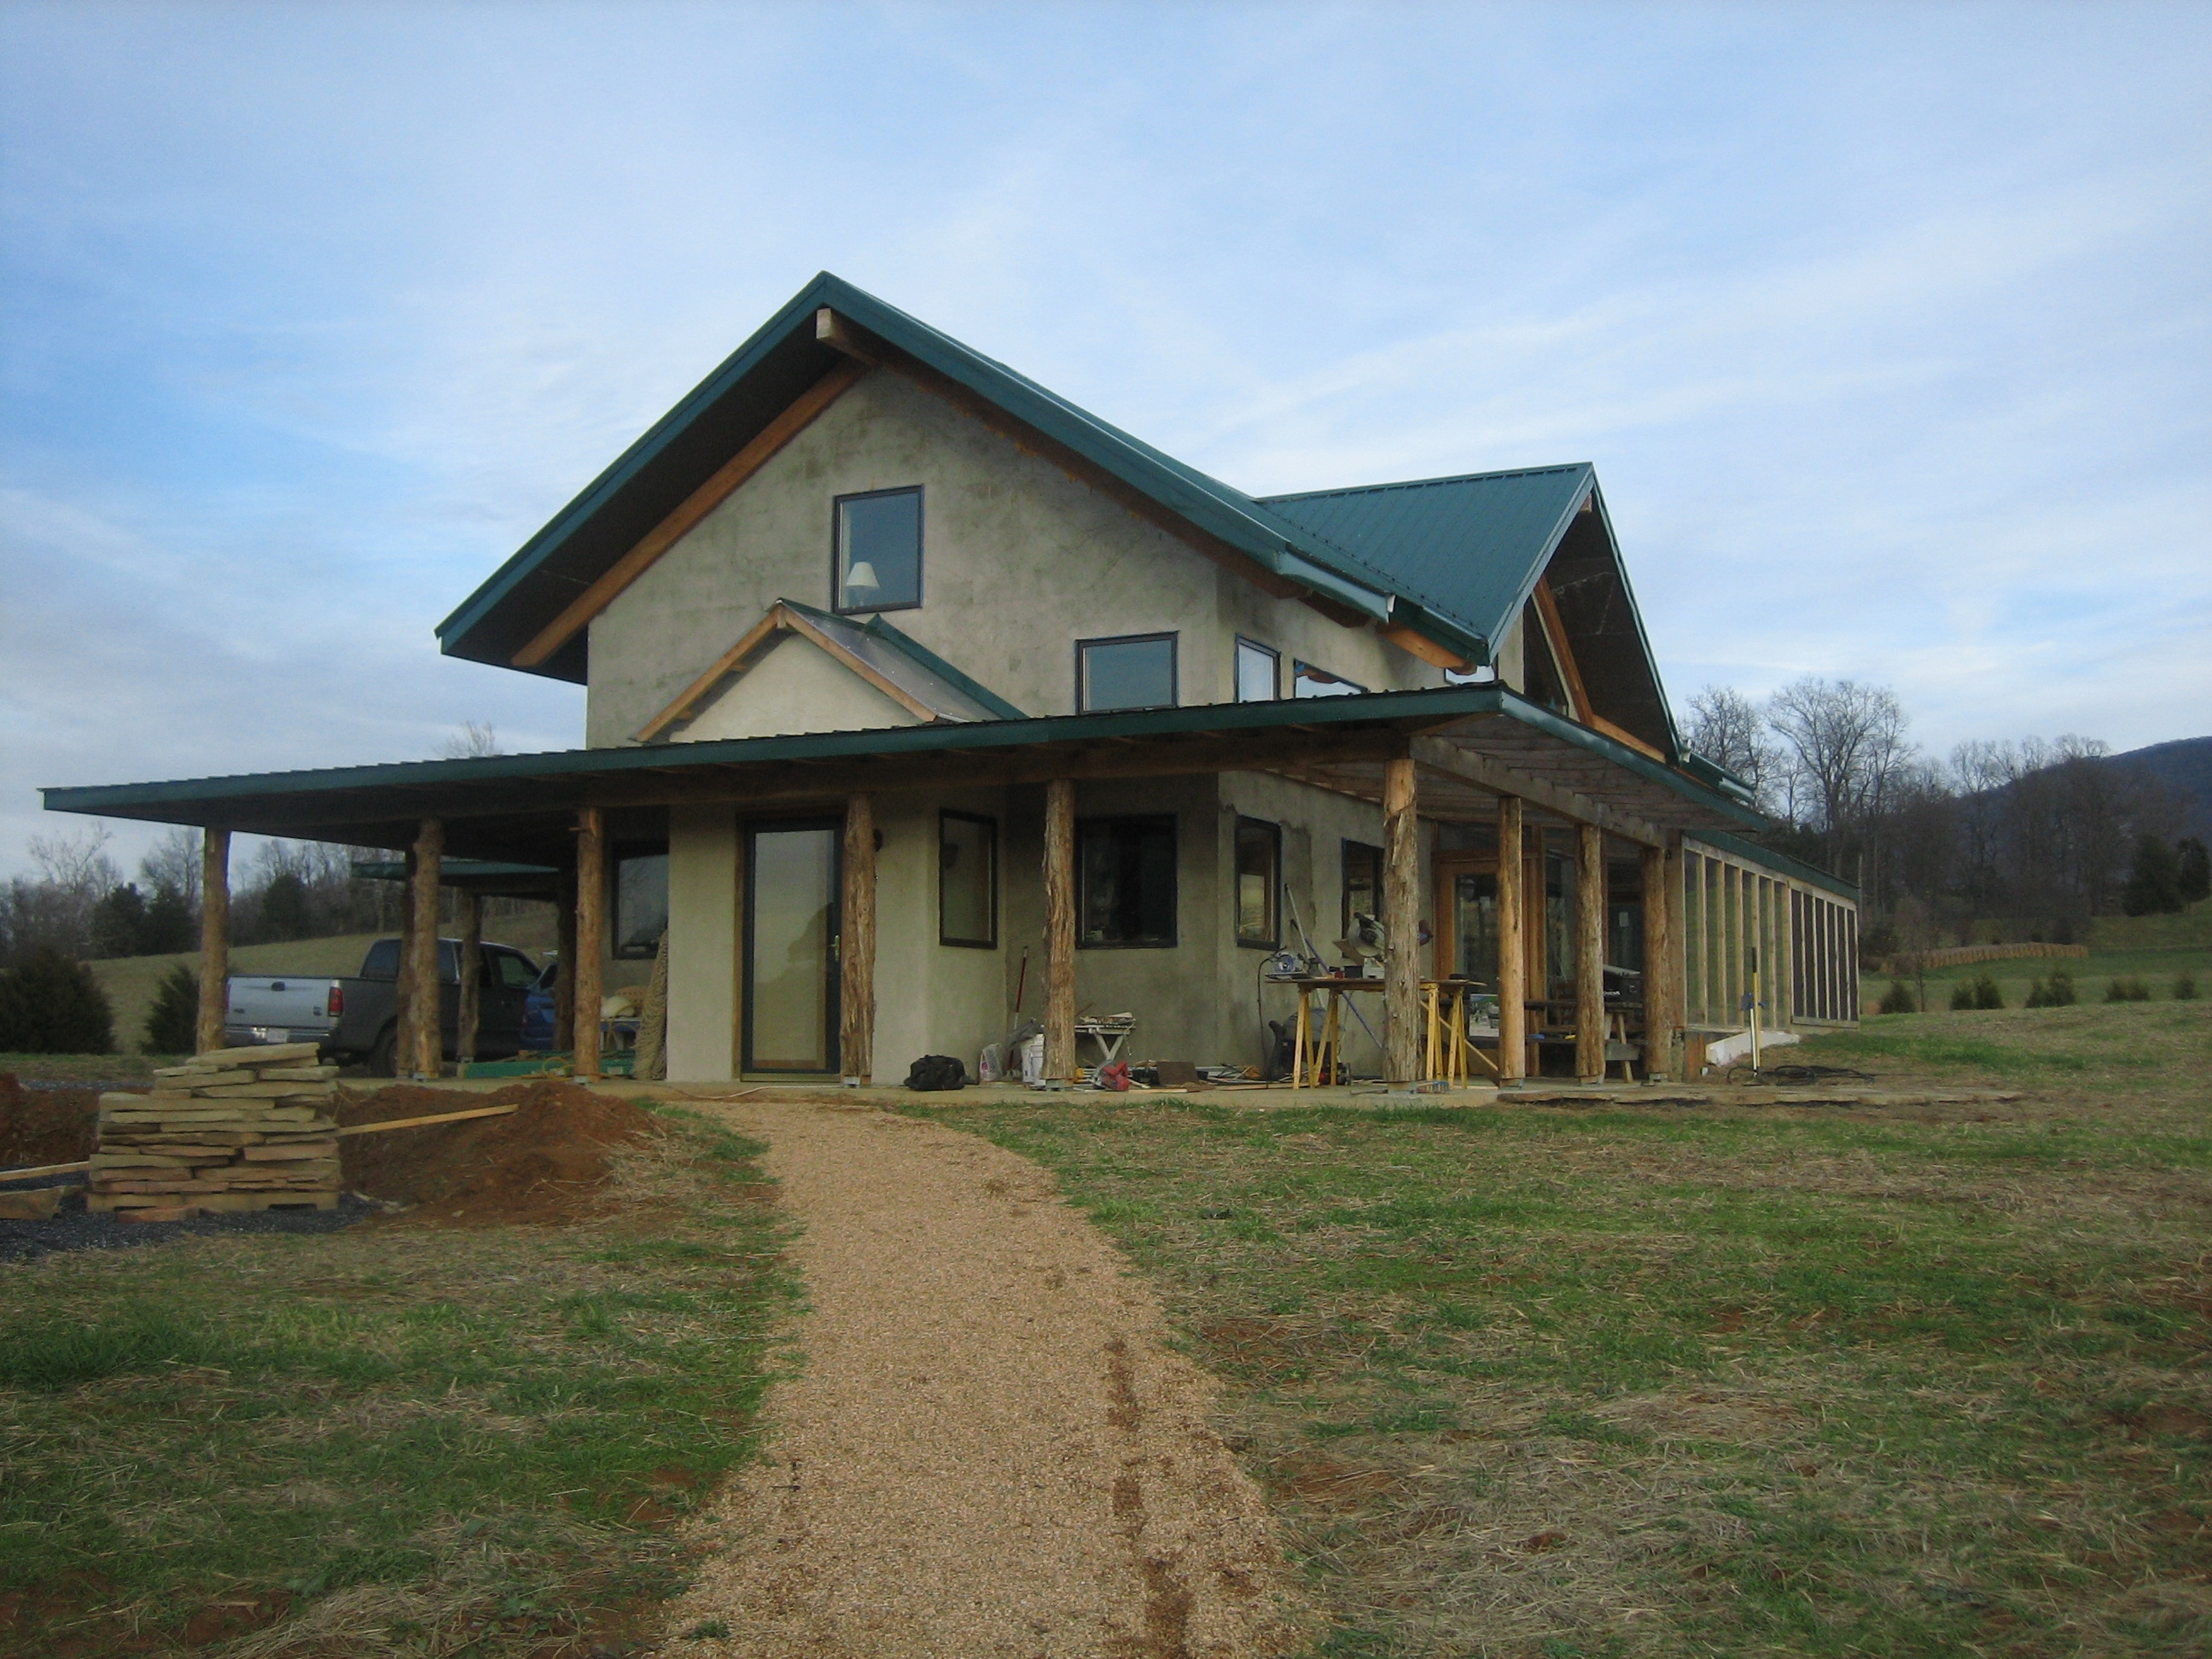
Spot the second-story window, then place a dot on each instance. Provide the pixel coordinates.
(1259, 672)
(879, 562)
(1135, 672)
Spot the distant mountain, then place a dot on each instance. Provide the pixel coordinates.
(2184, 767)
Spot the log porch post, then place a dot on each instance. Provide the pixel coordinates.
(424, 996)
(1401, 922)
(590, 936)
(1662, 962)
(1512, 945)
(1590, 953)
(215, 940)
(856, 945)
(564, 946)
(471, 1014)
(1060, 929)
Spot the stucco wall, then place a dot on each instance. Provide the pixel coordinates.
(796, 687)
(1019, 561)
(703, 875)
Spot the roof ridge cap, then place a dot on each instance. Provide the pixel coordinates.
(1422, 483)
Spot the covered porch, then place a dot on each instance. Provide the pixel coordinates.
(1459, 775)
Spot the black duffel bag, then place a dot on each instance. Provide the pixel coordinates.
(935, 1072)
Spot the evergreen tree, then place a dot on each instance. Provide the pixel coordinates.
(170, 923)
(118, 923)
(2154, 885)
(52, 1006)
(173, 1024)
(285, 912)
(2193, 873)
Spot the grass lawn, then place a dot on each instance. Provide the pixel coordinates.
(1552, 1382)
(2157, 965)
(396, 1440)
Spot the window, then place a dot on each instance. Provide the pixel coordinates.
(1541, 679)
(510, 970)
(641, 904)
(1138, 672)
(967, 880)
(879, 565)
(1257, 668)
(1363, 883)
(1259, 883)
(1126, 869)
(1311, 682)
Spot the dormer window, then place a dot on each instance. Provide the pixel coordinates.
(879, 561)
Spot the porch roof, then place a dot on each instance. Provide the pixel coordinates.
(1471, 742)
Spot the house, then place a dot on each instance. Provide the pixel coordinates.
(916, 691)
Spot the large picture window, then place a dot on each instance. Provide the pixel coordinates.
(879, 561)
(1259, 884)
(1135, 672)
(967, 880)
(1126, 869)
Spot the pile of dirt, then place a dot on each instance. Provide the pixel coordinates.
(546, 1162)
(45, 1126)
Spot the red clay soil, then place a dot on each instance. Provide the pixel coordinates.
(545, 1164)
(45, 1126)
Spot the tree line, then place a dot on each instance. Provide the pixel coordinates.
(2022, 839)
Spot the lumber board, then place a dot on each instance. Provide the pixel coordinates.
(37, 1170)
(419, 1122)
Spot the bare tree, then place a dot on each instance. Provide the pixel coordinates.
(471, 740)
(1846, 746)
(172, 864)
(1728, 730)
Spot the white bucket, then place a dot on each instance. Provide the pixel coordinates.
(1033, 1059)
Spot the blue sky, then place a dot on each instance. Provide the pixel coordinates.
(1887, 326)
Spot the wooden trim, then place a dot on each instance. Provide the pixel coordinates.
(1621, 734)
(836, 333)
(1447, 757)
(591, 937)
(426, 1057)
(1512, 943)
(781, 619)
(215, 940)
(1589, 952)
(856, 943)
(1401, 920)
(1562, 653)
(1421, 646)
(1060, 929)
(802, 413)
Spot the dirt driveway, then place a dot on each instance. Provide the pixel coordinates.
(988, 1450)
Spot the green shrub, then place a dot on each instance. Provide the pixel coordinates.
(172, 1025)
(2127, 990)
(1897, 999)
(2061, 988)
(1962, 996)
(50, 1005)
(1986, 992)
(2184, 987)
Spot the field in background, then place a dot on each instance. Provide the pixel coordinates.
(2156, 965)
(1556, 1383)
(398, 1439)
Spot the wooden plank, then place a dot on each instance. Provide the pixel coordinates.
(1401, 922)
(1621, 734)
(590, 936)
(1060, 929)
(1589, 952)
(43, 1169)
(427, 1059)
(1443, 756)
(1513, 944)
(856, 951)
(419, 1122)
(804, 410)
(1563, 652)
(470, 1012)
(214, 938)
(1421, 646)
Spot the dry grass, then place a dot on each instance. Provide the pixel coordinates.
(1552, 1383)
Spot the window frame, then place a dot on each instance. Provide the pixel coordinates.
(1345, 848)
(629, 852)
(1299, 670)
(991, 900)
(1174, 671)
(1272, 833)
(1245, 643)
(1083, 828)
(920, 547)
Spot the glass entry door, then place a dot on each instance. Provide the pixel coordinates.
(791, 878)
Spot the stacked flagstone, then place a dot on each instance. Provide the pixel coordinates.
(237, 1129)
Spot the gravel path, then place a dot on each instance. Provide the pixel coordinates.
(987, 1451)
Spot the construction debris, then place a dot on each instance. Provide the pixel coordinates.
(234, 1129)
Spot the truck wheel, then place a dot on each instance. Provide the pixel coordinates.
(384, 1055)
